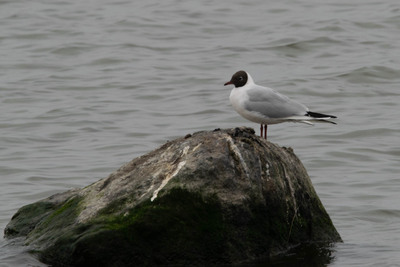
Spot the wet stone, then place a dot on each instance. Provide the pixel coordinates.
(218, 197)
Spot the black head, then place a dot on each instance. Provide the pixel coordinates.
(238, 79)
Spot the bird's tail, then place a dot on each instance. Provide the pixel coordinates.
(321, 117)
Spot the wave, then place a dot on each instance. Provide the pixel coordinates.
(302, 45)
(372, 74)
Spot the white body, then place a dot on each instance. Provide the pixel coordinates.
(266, 106)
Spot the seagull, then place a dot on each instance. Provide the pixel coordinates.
(266, 106)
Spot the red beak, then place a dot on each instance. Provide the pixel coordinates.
(228, 83)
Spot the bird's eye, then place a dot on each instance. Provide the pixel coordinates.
(240, 78)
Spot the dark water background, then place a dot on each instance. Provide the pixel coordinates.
(86, 86)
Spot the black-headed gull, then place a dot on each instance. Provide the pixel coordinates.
(266, 106)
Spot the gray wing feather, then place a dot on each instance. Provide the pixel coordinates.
(272, 104)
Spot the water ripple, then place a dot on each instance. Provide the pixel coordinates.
(86, 87)
(373, 74)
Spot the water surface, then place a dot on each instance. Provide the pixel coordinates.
(87, 86)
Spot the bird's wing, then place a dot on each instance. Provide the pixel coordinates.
(272, 104)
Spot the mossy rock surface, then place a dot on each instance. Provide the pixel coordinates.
(220, 197)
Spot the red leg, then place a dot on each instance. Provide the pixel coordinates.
(265, 132)
(261, 130)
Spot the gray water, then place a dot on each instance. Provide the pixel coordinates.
(86, 86)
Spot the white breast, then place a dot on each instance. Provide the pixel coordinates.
(237, 98)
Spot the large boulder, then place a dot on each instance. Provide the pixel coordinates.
(217, 197)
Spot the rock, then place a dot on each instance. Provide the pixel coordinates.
(219, 197)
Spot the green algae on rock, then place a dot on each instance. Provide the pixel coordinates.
(217, 197)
